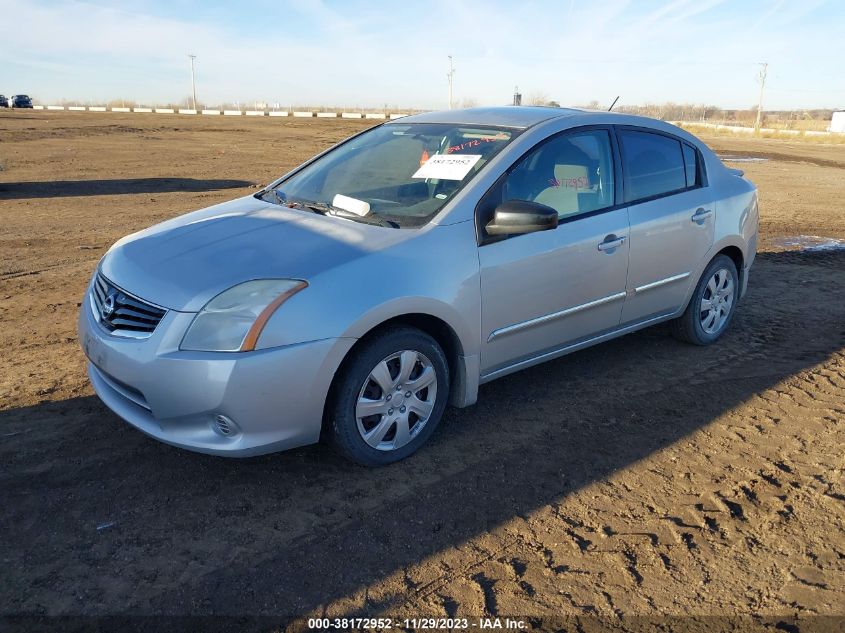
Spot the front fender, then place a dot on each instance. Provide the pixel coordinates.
(434, 273)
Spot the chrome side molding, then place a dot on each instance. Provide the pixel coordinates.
(572, 347)
(661, 282)
(516, 327)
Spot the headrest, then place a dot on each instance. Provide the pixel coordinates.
(572, 176)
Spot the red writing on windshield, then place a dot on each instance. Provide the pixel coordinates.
(470, 144)
(582, 182)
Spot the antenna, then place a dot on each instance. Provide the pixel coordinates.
(614, 103)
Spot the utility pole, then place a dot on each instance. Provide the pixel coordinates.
(450, 74)
(193, 82)
(762, 78)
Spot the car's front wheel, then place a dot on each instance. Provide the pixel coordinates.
(389, 397)
(711, 307)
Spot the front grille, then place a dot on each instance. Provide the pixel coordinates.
(123, 314)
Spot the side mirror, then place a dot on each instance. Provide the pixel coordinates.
(521, 216)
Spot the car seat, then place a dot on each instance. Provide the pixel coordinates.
(569, 177)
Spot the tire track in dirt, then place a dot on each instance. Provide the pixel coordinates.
(711, 520)
(607, 537)
(649, 532)
(640, 476)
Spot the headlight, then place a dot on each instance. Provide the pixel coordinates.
(233, 320)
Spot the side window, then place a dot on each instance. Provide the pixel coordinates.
(653, 164)
(572, 173)
(691, 166)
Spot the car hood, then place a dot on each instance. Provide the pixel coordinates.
(182, 263)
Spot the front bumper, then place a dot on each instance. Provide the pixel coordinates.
(274, 396)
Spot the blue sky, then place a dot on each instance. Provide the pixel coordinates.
(370, 54)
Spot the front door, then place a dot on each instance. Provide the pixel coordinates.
(543, 290)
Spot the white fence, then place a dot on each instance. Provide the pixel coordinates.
(314, 114)
(308, 114)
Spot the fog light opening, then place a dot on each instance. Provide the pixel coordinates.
(225, 426)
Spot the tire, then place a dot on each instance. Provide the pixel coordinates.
(697, 325)
(399, 423)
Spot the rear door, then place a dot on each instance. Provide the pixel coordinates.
(672, 215)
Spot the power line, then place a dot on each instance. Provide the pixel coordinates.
(762, 77)
(193, 83)
(450, 75)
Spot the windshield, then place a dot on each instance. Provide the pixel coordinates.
(401, 174)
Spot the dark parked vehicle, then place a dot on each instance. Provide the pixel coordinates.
(20, 101)
(4, 102)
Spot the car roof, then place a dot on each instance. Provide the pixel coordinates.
(505, 116)
(523, 117)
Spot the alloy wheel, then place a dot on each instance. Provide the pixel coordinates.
(716, 301)
(396, 400)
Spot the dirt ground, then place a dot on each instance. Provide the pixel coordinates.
(640, 477)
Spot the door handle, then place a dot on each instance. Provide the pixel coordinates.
(701, 214)
(611, 242)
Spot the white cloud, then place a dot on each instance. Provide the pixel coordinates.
(313, 52)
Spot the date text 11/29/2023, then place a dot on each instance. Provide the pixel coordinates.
(381, 624)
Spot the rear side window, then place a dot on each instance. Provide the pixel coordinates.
(691, 166)
(653, 164)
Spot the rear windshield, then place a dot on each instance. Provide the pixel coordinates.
(402, 173)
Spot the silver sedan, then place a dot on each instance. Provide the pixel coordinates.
(359, 294)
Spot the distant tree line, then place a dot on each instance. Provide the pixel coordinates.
(699, 112)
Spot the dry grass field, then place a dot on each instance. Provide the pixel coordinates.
(640, 477)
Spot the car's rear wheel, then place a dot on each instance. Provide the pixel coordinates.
(711, 307)
(389, 397)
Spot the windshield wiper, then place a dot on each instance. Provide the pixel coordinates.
(319, 207)
(324, 208)
(278, 197)
(371, 219)
(327, 209)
